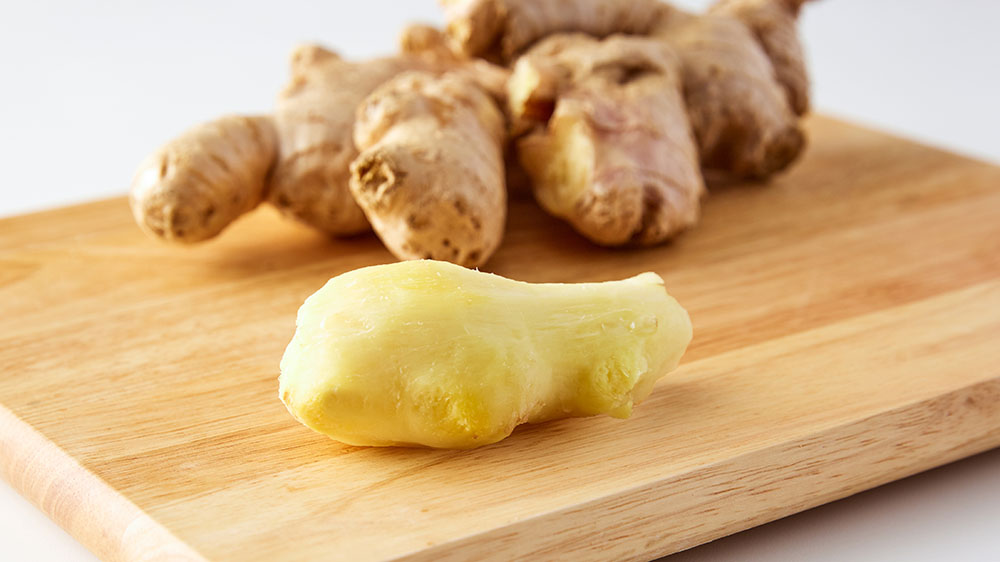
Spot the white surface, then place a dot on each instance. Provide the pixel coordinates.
(89, 88)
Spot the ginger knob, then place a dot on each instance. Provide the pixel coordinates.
(428, 353)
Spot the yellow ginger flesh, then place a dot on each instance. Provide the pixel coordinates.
(427, 353)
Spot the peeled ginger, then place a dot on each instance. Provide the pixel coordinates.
(427, 353)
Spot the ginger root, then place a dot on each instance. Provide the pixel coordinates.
(197, 184)
(741, 64)
(306, 173)
(314, 119)
(613, 108)
(740, 113)
(430, 176)
(773, 23)
(502, 29)
(442, 356)
(614, 154)
(432, 44)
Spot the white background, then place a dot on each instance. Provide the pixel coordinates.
(88, 88)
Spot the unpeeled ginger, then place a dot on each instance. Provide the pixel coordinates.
(427, 353)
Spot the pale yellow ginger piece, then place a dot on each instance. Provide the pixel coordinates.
(427, 353)
(194, 186)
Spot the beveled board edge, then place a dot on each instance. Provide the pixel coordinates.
(720, 499)
(104, 521)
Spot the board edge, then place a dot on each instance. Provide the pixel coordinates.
(933, 432)
(91, 511)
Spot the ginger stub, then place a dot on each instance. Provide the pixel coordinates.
(611, 150)
(190, 189)
(430, 176)
(741, 62)
(314, 119)
(426, 353)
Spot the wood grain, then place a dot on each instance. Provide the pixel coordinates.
(846, 325)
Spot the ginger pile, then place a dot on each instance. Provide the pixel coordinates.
(614, 108)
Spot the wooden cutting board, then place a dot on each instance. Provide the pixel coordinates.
(847, 333)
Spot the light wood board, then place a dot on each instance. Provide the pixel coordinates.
(847, 333)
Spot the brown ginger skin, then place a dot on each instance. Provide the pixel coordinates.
(742, 66)
(612, 151)
(314, 118)
(432, 44)
(309, 146)
(739, 112)
(430, 175)
(773, 23)
(194, 186)
(611, 129)
(502, 29)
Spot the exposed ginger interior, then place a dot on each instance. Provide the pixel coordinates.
(562, 164)
(432, 354)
